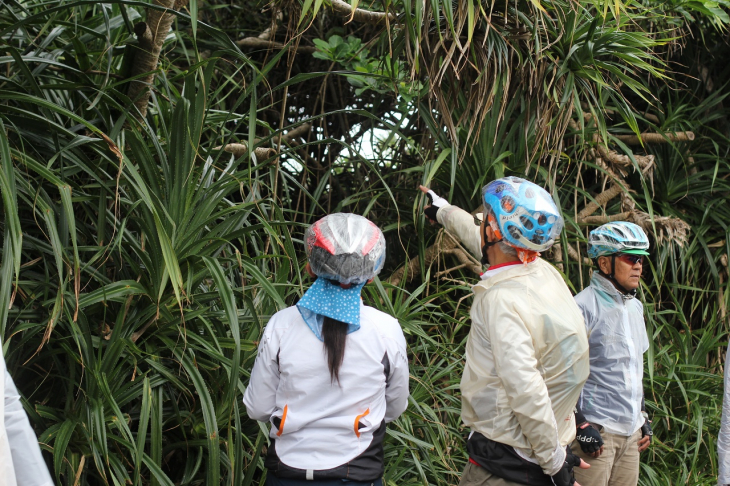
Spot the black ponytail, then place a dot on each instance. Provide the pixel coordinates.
(334, 335)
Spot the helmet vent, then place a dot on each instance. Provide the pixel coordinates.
(508, 204)
(519, 208)
(527, 223)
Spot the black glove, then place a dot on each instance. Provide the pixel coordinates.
(646, 430)
(589, 438)
(435, 203)
(564, 477)
(430, 212)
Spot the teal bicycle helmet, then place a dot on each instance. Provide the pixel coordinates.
(617, 237)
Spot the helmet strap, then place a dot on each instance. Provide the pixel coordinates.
(613, 267)
(487, 245)
(613, 280)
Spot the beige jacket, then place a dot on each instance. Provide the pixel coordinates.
(526, 356)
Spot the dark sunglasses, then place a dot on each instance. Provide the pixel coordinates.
(631, 259)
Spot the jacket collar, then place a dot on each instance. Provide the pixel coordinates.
(511, 272)
(606, 286)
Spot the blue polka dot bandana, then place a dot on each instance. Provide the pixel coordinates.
(325, 298)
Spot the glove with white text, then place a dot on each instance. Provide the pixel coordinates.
(589, 438)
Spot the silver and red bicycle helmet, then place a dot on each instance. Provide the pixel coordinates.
(344, 247)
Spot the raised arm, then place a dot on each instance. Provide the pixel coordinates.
(455, 220)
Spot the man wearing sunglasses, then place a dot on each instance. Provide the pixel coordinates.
(611, 420)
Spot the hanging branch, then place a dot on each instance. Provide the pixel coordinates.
(465, 259)
(445, 244)
(573, 254)
(663, 228)
(240, 149)
(361, 15)
(656, 138)
(620, 161)
(265, 40)
(297, 132)
(263, 153)
(599, 220)
(269, 33)
(151, 36)
(599, 201)
(644, 161)
(556, 253)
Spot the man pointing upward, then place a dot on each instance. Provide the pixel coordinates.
(527, 351)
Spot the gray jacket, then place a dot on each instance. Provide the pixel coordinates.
(617, 340)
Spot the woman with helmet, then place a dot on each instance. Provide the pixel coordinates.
(613, 426)
(331, 371)
(527, 351)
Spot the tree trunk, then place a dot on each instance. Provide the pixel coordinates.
(151, 36)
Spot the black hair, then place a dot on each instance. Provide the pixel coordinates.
(334, 335)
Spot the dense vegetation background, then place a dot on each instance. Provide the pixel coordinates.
(149, 234)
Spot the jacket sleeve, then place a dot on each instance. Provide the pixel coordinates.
(260, 394)
(30, 468)
(506, 314)
(461, 224)
(723, 438)
(643, 335)
(396, 388)
(586, 303)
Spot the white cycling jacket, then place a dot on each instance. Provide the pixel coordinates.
(617, 338)
(526, 357)
(723, 438)
(21, 462)
(325, 425)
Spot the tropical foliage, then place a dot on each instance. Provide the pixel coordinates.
(149, 235)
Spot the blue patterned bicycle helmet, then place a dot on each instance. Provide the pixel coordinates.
(617, 237)
(524, 213)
